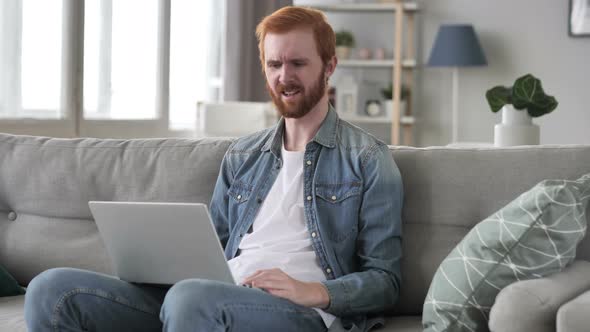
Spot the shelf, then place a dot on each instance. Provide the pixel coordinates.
(364, 7)
(404, 22)
(405, 120)
(407, 63)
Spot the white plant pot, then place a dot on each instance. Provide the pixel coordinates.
(342, 52)
(388, 108)
(517, 128)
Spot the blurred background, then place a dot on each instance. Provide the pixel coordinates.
(190, 68)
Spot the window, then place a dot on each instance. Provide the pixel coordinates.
(120, 59)
(113, 68)
(31, 31)
(194, 47)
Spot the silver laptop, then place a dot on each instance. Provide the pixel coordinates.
(160, 243)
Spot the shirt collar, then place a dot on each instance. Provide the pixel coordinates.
(325, 136)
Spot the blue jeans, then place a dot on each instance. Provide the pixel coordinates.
(66, 299)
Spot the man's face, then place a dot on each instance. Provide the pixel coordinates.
(295, 74)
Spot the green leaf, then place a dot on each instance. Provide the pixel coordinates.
(527, 93)
(498, 96)
(345, 38)
(549, 104)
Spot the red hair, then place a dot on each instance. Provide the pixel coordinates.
(289, 18)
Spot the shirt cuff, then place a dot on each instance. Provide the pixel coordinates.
(339, 301)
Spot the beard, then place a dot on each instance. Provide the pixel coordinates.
(306, 102)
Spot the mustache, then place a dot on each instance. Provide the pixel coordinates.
(289, 86)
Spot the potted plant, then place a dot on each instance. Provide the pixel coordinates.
(519, 104)
(387, 94)
(344, 42)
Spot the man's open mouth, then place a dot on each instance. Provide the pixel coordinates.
(290, 93)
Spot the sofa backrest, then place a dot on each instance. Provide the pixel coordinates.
(449, 190)
(46, 183)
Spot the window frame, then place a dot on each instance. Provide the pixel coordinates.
(73, 123)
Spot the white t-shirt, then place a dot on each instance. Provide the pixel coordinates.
(279, 237)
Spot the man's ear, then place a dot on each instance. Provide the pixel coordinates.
(331, 66)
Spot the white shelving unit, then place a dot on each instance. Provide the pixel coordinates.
(406, 120)
(406, 63)
(401, 124)
(366, 7)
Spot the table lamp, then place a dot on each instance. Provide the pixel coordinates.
(455, 46)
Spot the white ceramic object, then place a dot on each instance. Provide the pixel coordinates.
(342, 52)
(517, 128)
(388, 107)
(232, 119)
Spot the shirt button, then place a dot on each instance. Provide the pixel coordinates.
(239, 197)
(333, 198)
(328, 270)
(313, 234)
(308, 162)
(259, 200)
(309, 198)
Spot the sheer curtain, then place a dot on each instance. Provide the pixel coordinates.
(195, 52)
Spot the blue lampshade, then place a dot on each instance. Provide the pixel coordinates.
(456, 45)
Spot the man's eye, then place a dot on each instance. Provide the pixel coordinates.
(275, 65)
(299, 64)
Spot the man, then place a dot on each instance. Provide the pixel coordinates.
(308, 213)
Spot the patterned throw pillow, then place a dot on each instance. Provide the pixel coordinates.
(9, 286)
(533, 236)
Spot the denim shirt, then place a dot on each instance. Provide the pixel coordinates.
(352, 201)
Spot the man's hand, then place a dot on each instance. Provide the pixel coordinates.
(278, 283)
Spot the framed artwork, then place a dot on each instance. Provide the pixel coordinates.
(346, 97)
(579, 18)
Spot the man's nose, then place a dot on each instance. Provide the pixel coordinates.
(287, 73)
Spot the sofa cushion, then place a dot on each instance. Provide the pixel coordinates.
(531, 305)
(8, 286)
(573, 316)
(46, 183)
(533, 236)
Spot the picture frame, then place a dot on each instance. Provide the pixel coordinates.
(347, 92)
(579, 18)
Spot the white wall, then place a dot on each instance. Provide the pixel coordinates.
(518, 37)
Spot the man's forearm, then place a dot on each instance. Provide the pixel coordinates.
(323, 298)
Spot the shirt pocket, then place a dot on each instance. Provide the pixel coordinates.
(338, 206)
(239, 192)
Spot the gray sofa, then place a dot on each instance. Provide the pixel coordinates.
(46, 183)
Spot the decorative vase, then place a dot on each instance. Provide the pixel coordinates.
(342, 52)
(364, 54)
(517, 128)
(388, 108)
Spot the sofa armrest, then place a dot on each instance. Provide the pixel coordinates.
(532, 305)
(574, 315)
